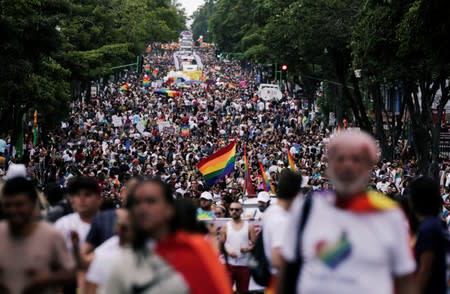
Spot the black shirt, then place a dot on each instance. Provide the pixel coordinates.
(433, 236)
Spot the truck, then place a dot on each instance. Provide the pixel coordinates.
(269, 92)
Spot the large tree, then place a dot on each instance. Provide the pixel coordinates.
(402, 44)
(29, 77)
(100, 34)
(200, 21)
(47, 46)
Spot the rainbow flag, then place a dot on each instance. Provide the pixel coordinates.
(147, 68)
(218, 165)
(291, 161)
(248, 180)
(370, 201)
(125, 87)
(185, 131)
(146, 81)
(35, 128)
(267, 186)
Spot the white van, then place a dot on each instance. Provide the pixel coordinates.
(269, 92)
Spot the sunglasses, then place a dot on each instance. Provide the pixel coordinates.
(235, 209)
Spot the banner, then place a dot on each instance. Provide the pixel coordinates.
(195, 75)
(117, 121)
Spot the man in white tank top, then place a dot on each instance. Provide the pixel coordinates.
(239, 238)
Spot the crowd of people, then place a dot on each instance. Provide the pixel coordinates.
(132, 214)
(121, 133)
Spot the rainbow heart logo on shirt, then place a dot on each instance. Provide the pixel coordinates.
(334, 253)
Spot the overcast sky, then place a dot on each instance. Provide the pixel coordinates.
(190, 5)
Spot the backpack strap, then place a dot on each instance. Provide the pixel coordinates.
(288, 282)
(306, 209)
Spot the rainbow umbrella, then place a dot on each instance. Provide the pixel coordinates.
(167, 92)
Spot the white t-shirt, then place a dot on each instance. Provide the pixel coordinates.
(72, 222)
(346, 252)
(274, 223)
(105, 256)
(447, 180)
(216, 197)
(254, 214)
(383, 186)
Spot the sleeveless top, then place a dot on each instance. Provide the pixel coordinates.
(237, 239)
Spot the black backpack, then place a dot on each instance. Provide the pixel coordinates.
(258, 264)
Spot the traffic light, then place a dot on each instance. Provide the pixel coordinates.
(284, 67)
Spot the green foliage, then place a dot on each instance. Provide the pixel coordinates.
(404, 43)
(48, 45)
(105, 33)
(29, 77)
(200, 21)
(237, 26)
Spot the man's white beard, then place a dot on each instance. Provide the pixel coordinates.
(351, 189)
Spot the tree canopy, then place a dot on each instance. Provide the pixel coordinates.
(400, 48)
(49, 45)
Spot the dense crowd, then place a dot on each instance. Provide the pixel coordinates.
(123, 133)
(108, 172)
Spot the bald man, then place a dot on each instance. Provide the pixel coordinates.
(353, 241)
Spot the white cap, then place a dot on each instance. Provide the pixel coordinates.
(263, 196)
(206, 196)
(16, 171)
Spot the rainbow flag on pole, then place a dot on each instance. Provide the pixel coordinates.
(35, 128)
(218, 165)
(291, 161)
(248, 180)
(267, 186)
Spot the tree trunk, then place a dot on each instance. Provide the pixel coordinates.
(421, 136)
(341, 69)
(380, 133)
(436, 132)
(359, 102)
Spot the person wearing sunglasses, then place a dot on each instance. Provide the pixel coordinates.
(238, 237)
(163, 257)
(220, 211)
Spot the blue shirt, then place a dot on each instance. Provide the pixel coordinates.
(205, 215)
(102, 227)
(432, 235)
(2, 146)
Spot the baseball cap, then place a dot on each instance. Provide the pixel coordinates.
(206, 196)
(263, 196)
